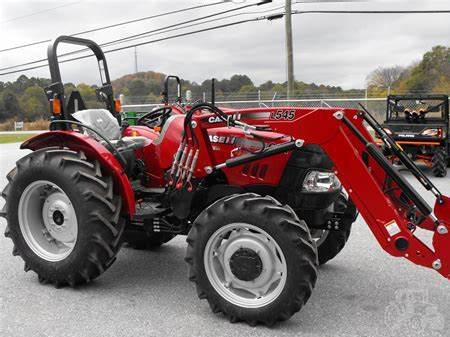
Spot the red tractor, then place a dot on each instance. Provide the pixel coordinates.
(306, 182)
(89, 184)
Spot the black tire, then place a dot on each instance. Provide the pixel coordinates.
(151, 241)
(332, 245)
(291, 235)
(439, 163)
(335, 240)
(96, 206)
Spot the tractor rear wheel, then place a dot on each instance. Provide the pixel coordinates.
(63, 216)
(439, 163)
(252, 259)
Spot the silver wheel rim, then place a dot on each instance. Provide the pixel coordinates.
(47, 220)
(319, 236)
(255, 293)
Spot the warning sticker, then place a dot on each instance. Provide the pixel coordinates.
(392, 228)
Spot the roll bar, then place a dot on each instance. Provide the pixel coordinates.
(165, 93)
(56, 89)
(53, 57)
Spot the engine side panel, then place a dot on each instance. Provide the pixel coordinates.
(158, 155)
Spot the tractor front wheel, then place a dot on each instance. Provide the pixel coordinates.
(63, 216)
(330, 242)
(252, 259)
(439, 163)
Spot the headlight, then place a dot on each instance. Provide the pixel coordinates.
(319, 181)
(432, 133)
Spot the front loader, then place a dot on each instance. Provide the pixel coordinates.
(91, 180)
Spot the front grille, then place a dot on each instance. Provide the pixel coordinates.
(257, 171)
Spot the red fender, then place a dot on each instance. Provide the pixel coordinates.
(92, 149)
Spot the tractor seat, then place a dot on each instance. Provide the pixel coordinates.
(102, 121)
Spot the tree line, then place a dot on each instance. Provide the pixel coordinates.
(24, 99)
(431, 74)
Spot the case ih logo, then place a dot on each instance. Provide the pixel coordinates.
(217, 119)
(222, 139)
(256, 115)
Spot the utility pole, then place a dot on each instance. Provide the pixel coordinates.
(289, 50)
(135, 61)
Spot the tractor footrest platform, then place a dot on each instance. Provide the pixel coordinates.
(148, 210)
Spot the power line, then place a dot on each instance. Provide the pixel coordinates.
(439, 11)
(142, 19)
(40, 12)
(144, 43)
(109, 43)
(192, 25)
(186, 22)
(120, 24)
(188, 33)
(268, 17)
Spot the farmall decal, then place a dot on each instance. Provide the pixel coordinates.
(283, 115)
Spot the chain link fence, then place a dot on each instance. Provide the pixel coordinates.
(376, 105)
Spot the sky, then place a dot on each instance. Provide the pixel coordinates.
(330, 49)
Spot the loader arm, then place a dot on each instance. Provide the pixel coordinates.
(392, 208)
(364, 171)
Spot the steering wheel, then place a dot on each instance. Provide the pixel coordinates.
(155, 118)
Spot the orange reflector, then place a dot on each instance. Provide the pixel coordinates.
(117, 105)
(157, 128)
(134, 133)
(56, 106)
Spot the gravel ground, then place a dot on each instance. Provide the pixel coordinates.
(148, 294)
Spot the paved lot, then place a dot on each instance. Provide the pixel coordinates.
(147, 294)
